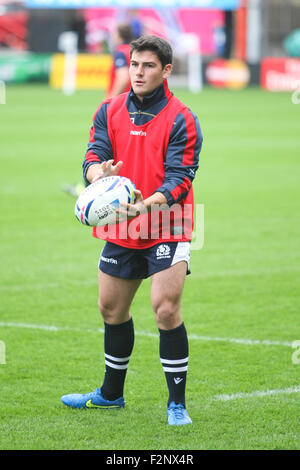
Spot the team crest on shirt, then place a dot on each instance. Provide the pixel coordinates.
(163, 251)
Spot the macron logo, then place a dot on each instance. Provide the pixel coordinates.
(109, 260)
(142, 133)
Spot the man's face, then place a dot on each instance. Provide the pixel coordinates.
(146, 72)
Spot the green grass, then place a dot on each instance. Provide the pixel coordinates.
(244, 282)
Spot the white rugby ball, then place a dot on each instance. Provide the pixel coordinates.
(96, 205)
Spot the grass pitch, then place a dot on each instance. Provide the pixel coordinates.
(241, 303)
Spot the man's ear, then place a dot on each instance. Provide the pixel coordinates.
(167, 71)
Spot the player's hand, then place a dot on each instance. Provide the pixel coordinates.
(106, 168)
(129, 211)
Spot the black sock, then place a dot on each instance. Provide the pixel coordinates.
(174, 351)
(118, 345)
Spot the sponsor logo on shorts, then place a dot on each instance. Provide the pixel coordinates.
(109, 260)
(163, 251)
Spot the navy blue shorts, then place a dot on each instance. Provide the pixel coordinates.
(139, 264)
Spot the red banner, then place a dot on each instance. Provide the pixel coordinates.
(280, 74)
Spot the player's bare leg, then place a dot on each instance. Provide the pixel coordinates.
(166, 293)
(115, 297)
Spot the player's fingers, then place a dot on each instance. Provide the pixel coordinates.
(138, 196)
(108, 167)
(128, 210)
(122, 214)
(105, 166)
(122, 208)
(114, 170)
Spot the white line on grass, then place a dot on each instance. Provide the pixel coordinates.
(247, 342)
(251, 342)
(46, 285)
(238, 396)
(223, 398)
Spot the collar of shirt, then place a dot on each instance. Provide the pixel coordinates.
(144, 111)
(157, 95)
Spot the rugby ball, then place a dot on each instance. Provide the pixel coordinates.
(96, 205)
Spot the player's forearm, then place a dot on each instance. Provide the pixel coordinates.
(92, 171)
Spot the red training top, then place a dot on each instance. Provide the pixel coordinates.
(142, 149)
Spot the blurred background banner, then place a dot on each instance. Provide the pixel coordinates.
(219, 43)
(224, 4)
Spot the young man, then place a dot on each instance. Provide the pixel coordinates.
(152, 138)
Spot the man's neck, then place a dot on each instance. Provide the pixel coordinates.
(156, 94)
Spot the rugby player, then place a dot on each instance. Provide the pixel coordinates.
(151, 137)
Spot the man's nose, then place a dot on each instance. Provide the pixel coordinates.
(140, 70)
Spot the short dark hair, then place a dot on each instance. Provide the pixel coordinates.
(159, 46)
(125, 32)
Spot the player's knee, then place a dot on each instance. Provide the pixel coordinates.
(166, 313)
(106, 310)
(111, 312)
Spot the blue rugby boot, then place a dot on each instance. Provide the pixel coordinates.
(91, 400)
(177, 414)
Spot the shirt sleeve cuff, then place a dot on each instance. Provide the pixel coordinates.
(86, 167)
(167, 195)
